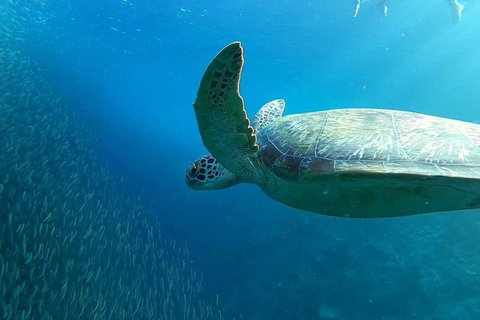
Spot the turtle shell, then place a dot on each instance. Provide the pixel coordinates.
(306, 147)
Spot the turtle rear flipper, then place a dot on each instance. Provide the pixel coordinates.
(270, 112)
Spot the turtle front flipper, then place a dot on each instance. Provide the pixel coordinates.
(221, 116)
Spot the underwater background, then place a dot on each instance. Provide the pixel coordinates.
(97, 130)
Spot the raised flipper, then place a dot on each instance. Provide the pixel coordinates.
(221, 116)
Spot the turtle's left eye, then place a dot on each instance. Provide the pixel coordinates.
(193, 169)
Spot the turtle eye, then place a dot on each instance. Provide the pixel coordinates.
(193, 170)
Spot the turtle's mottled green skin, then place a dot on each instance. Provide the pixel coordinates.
(346, 162)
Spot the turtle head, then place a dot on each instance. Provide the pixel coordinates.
(207, 174)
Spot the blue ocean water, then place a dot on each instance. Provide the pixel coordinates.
(130, 70)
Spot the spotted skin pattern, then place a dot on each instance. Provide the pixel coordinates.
(207, 174)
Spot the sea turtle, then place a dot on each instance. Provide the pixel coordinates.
(362, 163)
